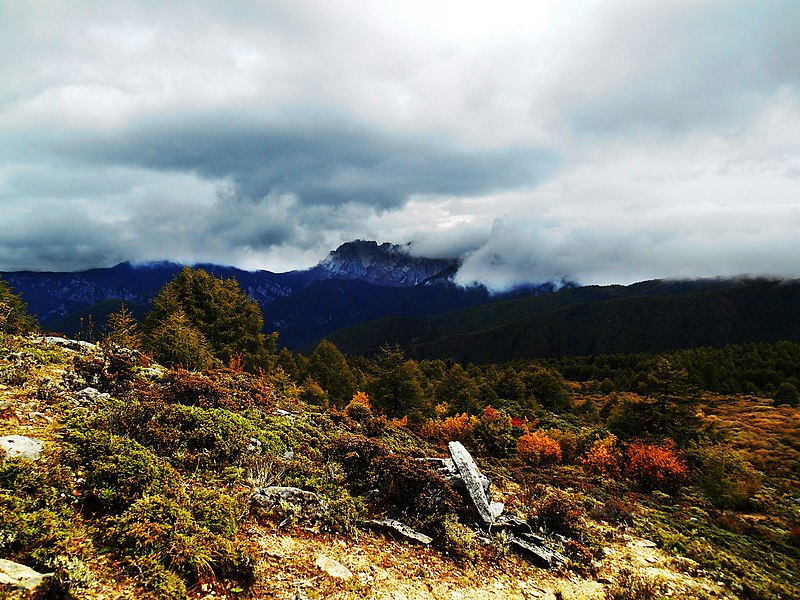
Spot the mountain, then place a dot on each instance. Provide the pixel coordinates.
(360, 280)
(651, 316)
(385, 265)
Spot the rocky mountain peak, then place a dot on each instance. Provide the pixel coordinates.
(381, 264)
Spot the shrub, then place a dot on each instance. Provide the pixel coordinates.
(359, 409)
(614, 511)
(119, 470)
(160, 527)
(457, 540)
(190, 435)
(725, 477)
(312, 394)
(35, 510)
(494, 434)
(603, 457)
(556, 511)
(567, 441)
(538, 449)
(455, 428)
(655, 467)
(632, 585)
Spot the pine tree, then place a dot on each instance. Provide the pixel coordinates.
(14, 317)
(123, 329)
(396, 386)
(218, 310)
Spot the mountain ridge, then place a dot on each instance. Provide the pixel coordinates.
(359, 280)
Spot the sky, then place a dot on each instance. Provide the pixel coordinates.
(600, 141)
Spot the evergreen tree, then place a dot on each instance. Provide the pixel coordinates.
(175, 341)
(459, 391)
(218, 310)
(330, 370)
(14, 317)
(396, 387)
(123, 329)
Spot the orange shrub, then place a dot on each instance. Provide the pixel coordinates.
(603, 457)
(452, 428)
(359, 407)
(538, 449)
(655, 466)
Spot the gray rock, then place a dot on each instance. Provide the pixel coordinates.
(287, 503)
(20, 446)
(67, 344)
(472, 479)
(446, 468)
(402, 529)
(20, 576)
(333, 568)
(89, 396)
(534, 546)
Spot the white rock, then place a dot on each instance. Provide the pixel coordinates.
(333, 568)
(20, 446)
(20, 576)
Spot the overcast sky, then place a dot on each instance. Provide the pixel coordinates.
(604, 141)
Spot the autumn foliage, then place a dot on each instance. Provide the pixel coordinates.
(655, 466)
(538, 449)
(603, 457)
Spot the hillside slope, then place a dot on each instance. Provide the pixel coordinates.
(647, 317)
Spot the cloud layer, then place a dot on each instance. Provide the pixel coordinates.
(608, 141)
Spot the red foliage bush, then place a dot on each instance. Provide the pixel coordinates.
(655, 467)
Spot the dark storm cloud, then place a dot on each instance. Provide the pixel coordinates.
(319, 162)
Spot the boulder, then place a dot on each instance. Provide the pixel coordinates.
(12, 573)
(288, 503)
(333, 568)
(20, 446)
(89, 396)
(472, 480)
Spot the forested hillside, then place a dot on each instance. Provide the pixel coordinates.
(654, 316)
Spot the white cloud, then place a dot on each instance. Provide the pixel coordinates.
(606, 141)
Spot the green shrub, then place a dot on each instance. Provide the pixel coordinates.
(216, 511)
(725, 477)
(119, 470)
(494, 434)
(190, 435)
(36, 510)
(162, 527)
(457, 540)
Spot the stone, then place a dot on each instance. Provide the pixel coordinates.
(20, 446)
(446, 469)
(333, 568)
(12, 573)
(89, 396)
(537, 550)
(402, 529)
(288, 503)
(67, 344)
(472, 480)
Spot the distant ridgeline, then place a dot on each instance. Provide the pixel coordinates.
(360, 281)
(653, 316)
(365, 295)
